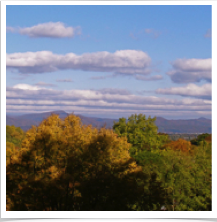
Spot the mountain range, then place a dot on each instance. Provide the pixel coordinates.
(201, 125)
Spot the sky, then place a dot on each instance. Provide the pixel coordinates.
(110, 61)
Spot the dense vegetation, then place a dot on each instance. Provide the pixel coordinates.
(64, 165)
(14, 135)
(201, 138)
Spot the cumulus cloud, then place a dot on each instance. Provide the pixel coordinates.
(26, 87)
(27, 97)
(64, 80)
(49, 30)
(191, 70)
(208, 34)
(191, 90)
(120, 62)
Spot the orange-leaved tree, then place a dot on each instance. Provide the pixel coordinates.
(179, 145)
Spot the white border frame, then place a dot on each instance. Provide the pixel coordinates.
(103, 214)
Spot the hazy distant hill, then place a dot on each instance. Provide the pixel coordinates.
(40, 116)
(201, 125)
(97, 122)
(27, 120)
(23, 123)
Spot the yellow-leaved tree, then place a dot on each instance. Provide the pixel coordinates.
(64, 165)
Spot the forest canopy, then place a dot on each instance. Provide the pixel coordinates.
(64, 165)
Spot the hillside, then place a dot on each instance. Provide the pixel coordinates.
(21, 122)
(201, 125)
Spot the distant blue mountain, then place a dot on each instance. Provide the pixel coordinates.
(201, 125)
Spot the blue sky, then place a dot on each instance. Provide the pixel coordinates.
(110, 61)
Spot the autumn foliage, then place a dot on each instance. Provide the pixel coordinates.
(179, 145)
(63, 165)
(14, 135)
(60, 160)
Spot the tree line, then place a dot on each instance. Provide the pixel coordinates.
(63, 165)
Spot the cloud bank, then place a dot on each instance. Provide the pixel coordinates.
(191, 90)
(28, 98)
(48, 30)
(120, 62)
(191, 70)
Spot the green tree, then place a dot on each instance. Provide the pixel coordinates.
(176, 180)
(175, 175)
(141, 132)
(200, 138)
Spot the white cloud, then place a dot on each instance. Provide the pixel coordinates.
(114, 91)
(26, 87)
(119, 62)
(193, 65)
(191, 70)
(191, 90)
(109, 101)
(50, 30)
(115, 113)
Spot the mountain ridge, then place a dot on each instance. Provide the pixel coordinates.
(200, 125)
